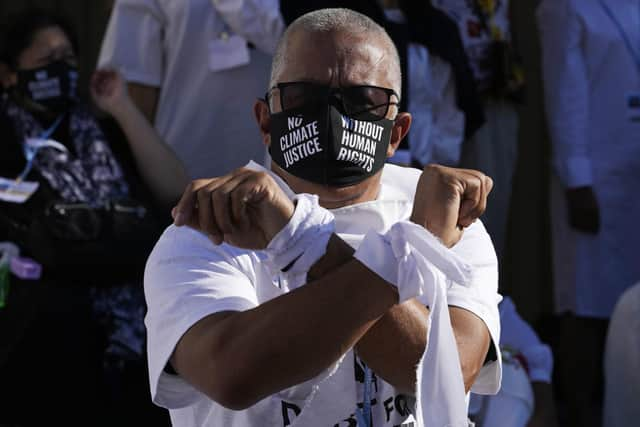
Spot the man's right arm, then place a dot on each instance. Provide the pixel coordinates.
(238, 358)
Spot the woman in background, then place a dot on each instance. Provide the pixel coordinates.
(66, 202)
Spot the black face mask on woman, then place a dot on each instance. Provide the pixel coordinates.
(322, 145)
(53, 86)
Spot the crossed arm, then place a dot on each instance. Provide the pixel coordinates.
(344, 305)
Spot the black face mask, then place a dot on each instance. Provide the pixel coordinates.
(321, 145)
(52, 86)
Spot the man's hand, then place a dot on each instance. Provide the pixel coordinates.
(109, 91)
(448, 200)
(244, 208)
(584, 213)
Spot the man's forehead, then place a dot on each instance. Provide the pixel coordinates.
(336, 58)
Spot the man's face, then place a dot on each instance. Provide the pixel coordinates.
(338, 60)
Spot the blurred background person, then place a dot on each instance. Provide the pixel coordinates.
(76, 332)
(526, 397)
(591, 63)
(194, 68)
(484, 26)
(440, 89)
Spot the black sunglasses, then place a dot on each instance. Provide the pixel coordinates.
(363, 102)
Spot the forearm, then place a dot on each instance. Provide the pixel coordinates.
(394, 345)
(158, 164)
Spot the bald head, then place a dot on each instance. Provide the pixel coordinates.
(348, 28)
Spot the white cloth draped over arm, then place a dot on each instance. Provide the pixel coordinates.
(420, 266)
(258, 21)
(566, 90)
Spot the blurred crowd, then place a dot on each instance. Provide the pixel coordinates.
(87, 185)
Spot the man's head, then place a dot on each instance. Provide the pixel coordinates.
(341, 49)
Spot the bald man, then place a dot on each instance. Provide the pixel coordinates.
(261, 313)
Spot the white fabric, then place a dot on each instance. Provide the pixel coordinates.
(511, 407)
(303, 241)
(201, 114)
(421, 267)
(514, 403)
(188, 278)
(519, 336)
(437, 126)
(622, 362)
(588, 72)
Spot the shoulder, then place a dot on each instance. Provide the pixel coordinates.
(183, 244)
(399, 182)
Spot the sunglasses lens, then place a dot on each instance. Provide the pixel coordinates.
(301, 94)
(365, 100)
(360, 102)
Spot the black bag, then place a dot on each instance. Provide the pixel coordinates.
(78, 242)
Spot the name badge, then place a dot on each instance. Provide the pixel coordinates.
(633, 107)
(13, 191)
(228, 51)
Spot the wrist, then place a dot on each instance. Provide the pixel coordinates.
(338, 253)
(122, 109)
(303, 240)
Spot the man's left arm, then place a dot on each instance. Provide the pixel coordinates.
(394, 345)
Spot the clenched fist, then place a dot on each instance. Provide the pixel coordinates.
(448, 200)
(244, 208)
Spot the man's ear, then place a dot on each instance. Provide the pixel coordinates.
(401, 126)
(7, 77)
(263, 118)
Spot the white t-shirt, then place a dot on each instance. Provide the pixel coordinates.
(206, 89)
(188, 278)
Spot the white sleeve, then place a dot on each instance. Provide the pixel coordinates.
(133, 42)
(437, 129)
(481, 298)
(258, 21)
(520, 336)
(186, 279)
(566, 90)
(448, 120)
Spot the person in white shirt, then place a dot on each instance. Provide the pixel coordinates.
(180, 55)
(486, 34)
(591, 64)
(437, 127)
(259, 311)
(526, 397)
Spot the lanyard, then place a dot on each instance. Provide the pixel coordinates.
(31, 149)
(627, 40)
(364, 414)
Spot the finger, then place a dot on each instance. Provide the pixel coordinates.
(223, 203)
(473, 199)
(488, 184)
(206, 218)
(240, 199)
(184, 211)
